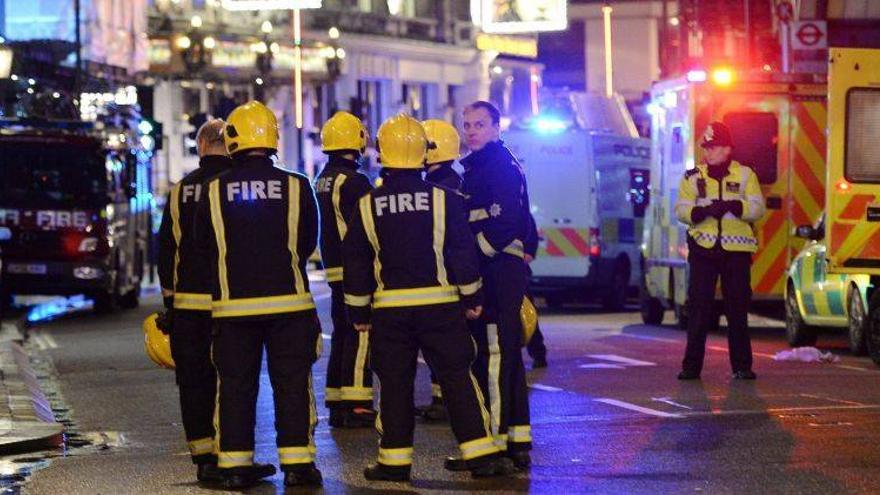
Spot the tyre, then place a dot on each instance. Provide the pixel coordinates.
(615, 297)
(651, 308)
(104, 302)
(857, 323)
(872, 329)
(797, 332)
(130, 299)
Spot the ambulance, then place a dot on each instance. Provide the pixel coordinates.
(587, 174)
(778, 123)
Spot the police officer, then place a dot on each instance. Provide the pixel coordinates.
(349, 387)
(259, 226)
(536, 348)
(410, 266)
(719, 200)
(498, 209)
(187, 295)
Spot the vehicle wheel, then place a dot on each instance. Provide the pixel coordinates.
(681, 316)
(857, 323)
(130, 299)
(872, 329)
(615, 297)
(797, 332)
(104, 302)
(651, 308)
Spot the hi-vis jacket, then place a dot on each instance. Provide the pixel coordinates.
(258, 228)
(338, 187)
(697, 188)
(180, 268)
(408, 244)
(497, 200)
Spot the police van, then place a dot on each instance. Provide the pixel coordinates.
(587, 173)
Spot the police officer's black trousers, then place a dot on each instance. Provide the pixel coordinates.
(292, 345)
(499, 364)
(349, 379)
(734, 269)
(196, 380)
(441, 333)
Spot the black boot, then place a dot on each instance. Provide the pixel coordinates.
(245, 477)
(539, 362)
(495, 466)
(455, 464)
(436, 411)
(381, 472)
(208, 472)
(521, 459)
(303, 475)
(360, 418)
(337, 418)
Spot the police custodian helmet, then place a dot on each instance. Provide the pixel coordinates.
(446, 141)
(402, 143)
(343, 132)
(251, 126)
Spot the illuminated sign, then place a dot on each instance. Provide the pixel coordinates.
(507, 45)
(521, 16)
(159, 52)
(271, 4)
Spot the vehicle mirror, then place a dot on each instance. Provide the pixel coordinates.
(804, 232)
(5, 234)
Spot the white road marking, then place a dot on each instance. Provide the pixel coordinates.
(620, 359)
(653, 339)
(854, 368)
(831, 399)
(546, 388)
(50, 340)
(637, 408)
(604, 366)
(668, 400)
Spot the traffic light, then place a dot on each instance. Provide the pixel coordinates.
(151, 134)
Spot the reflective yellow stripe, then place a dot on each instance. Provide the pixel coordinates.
(366, 206)
(175, 228)
(353, 300)
(415, 297)
(494, 377)
(296, 455)
(440, 234)
(477, 215)
(235, 459)
(470, 289)
(313, 411)
(484, 413)
(201, 446)
(519, 433)
(336, 196)
(436, 391)
(293, 190)
(396, 457)
(357, 393)
(360, 362)
(515, 248)
(193, 301)
(478, 448)
(216, 418)
(262, 305)
(220, 236)
(485, 247)
(332, 394)
(333, 274)
(501, 442)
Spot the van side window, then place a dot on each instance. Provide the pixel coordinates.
(755, 139)
(862, 155)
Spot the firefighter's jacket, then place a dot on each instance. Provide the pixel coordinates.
(697, 188)
(530, 243)
(444, 176)
(408, 244)
(180, 268)
(338, 187)
(258, 228)
(497, 200)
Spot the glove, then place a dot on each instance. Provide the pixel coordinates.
(733, 206)
(699, 213)
(168, 302)
(165, 321)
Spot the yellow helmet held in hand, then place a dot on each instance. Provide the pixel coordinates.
(402, 143)
(528, 316)
(446, 141)
(343, 131)
(251, 126)
(156, 343)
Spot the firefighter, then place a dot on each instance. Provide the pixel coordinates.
(349, 386)
(535, 346)
(411, 273)
(719, 200)
(187, 297)
(258, 228)
(498, 210)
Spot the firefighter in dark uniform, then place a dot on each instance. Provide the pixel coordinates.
(535, 346)
(183, 276)
(411, 273)
(349, 387)
(258, 228)
(498, 209)
(719, 200)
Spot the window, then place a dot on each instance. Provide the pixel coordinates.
(862, 155)
(755, 138)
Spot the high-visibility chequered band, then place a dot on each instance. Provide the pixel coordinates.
(477, 215)
(519, 434)
(235, 459)
(193, 301)
(333, 274)
(201, 446)
(262, 305)
(396, 457)
(356, 393)
(296, 455)
(353, 300)
(485, 247)
(470, 289)
(478, 448)
(332, 394)
(424, 296)
(436, 391)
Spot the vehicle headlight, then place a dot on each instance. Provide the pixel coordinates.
(88, 245)
(87, 272)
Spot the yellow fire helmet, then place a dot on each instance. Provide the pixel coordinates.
(157, 344)
(528, 316)
(251, 126)
(343, 131)
(446, 141)
(402, 143)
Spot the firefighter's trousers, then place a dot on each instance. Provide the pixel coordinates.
(349, 379)
(196, 380)
(734, 269)
(441, 333)
(499, 364)
(292, 343)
